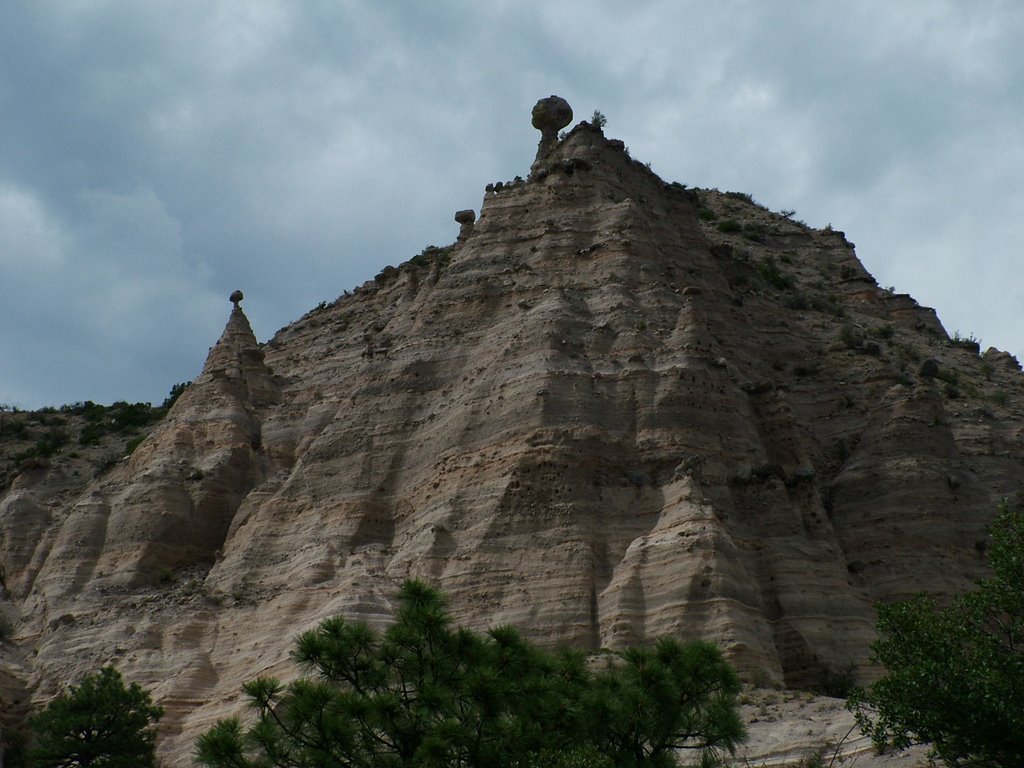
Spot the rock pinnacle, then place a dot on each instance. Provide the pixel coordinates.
(550, 115)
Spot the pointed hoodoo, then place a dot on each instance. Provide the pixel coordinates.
(550, 115)
(235, 362)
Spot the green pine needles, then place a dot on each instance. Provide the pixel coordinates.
(427, 693)
(99, 723)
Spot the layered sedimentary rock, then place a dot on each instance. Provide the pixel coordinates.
(615, 409)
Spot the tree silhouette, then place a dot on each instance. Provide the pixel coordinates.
(99, 723)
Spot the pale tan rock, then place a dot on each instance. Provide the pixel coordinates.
(793, 729)
(600, 419)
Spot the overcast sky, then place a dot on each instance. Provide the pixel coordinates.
(154, 156)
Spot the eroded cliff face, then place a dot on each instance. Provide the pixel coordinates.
(614, 409)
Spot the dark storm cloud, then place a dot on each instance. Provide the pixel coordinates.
(156, 156)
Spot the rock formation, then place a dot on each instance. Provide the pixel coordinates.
(466, 218)
(615, 409)
(550, 115)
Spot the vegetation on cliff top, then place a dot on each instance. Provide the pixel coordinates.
(30, 439)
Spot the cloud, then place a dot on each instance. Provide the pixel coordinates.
(157, 156)
(28, 242)
(104, 295)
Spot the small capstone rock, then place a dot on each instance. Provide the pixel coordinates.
(551, 115)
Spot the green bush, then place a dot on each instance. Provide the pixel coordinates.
(90, 410)
(51, 442)
(172, 397)
(91, 434)
(120, 417)
(828, 304)
(970, 340)
(431, 255)
(755, 232)
(769, 270)
(16, 427)
(851, 336)
(128, 416)
(745, 197)
(98, 722)
(955, 675)
(574, 757)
